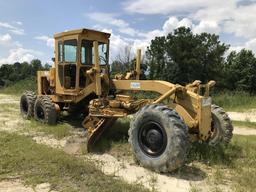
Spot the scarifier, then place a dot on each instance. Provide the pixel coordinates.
(161, 129)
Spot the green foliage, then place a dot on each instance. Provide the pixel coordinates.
(240, 71)
(19, 87)
(234, 163)
(59, 131)
(234, 101)
(157, 59)
(11, 73)
(36, 164)
(247, 124)
(183, 57)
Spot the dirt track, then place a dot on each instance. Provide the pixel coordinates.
(129, 171)
(244, 116)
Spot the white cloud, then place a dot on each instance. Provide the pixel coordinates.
(107, 18)
(18, 22)
(117, 43)
(170, 24)
(229, 17)
(250, 45)
(11, 28)
(221, 11)
(18, 31)
(173, 23)
(20, 55)
(185, 22)
(5, 39)
(242, 23)
(207, 26)
(117, 46)
(48, 40)
(111, 20)
(166, 6)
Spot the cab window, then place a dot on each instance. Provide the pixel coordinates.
(60, 52)
(87, 52)
(70, 47)
(102, 48)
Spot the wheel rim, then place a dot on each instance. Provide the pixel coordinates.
(40, 113)
(152, 139)
(24, 105)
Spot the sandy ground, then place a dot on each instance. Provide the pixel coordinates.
(244, 131)
(129, 171)
(134, 174)
(244, 116)
(18, 186)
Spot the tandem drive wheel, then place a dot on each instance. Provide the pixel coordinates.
(44, 110)
(159, 138)
(27, 102)
(221, 127)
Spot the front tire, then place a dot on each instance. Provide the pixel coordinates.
(222, 129)
(27, 102)
(44, 110)
(159, 138)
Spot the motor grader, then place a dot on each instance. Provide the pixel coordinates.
(161, 128)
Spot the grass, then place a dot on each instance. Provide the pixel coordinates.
(19, 87)
(9, 107)
(235, 101)
(35, 164)
(235, 163)
(59, 131)
(114, 140)
(244, 124)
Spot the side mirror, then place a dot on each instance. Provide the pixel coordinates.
(53, 59)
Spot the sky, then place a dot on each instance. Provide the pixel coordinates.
(27, 27)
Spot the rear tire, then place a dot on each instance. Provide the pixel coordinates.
(27, 102)
(159, 138)
(221, 127)
(44, 110)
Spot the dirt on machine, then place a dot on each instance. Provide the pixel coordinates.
(161, 129)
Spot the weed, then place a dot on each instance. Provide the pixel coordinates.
(152, 182)
(234, 162)
(194, 188)
(19, 87)
(244, 124)
(235, 101)
(37, 163)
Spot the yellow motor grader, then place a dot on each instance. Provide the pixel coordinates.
(161, 128)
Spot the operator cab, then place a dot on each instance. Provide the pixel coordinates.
(74, 56)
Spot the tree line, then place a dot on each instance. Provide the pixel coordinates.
(11, 73)
(182, 57)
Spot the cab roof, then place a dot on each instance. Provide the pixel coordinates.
(81, 31)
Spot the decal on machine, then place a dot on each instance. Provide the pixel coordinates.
(135, 85)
